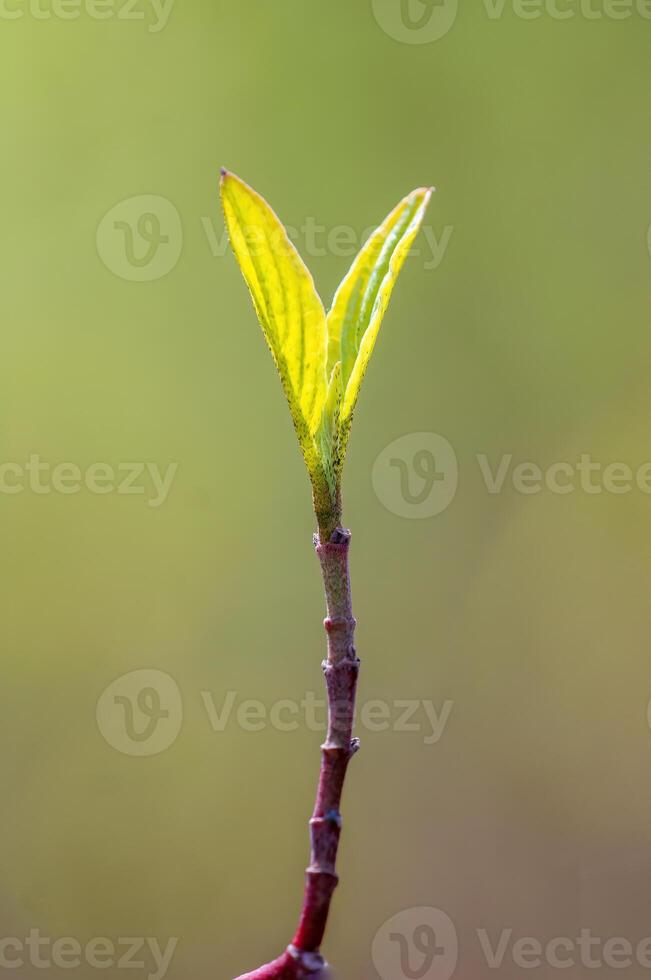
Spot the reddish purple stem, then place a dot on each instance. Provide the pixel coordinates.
(302, 960)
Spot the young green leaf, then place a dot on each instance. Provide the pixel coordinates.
(329, 432)
(290, 311)
(321, 361)
(363, 296)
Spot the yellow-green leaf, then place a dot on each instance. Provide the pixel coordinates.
(321, 361)
(362, 298)
(289, 309)
(329, 431)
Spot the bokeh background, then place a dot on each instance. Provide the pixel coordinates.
(527, 338)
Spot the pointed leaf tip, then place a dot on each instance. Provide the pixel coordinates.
(321, 362)
(363, 296)
(290, 312)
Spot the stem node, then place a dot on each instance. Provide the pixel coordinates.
(302, 960)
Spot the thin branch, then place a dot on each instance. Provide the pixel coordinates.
(302, 960)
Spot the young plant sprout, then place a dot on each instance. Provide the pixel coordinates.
(321, 359)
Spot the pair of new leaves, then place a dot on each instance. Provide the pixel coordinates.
(321, 358)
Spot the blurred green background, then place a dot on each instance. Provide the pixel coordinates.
(529, 612)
